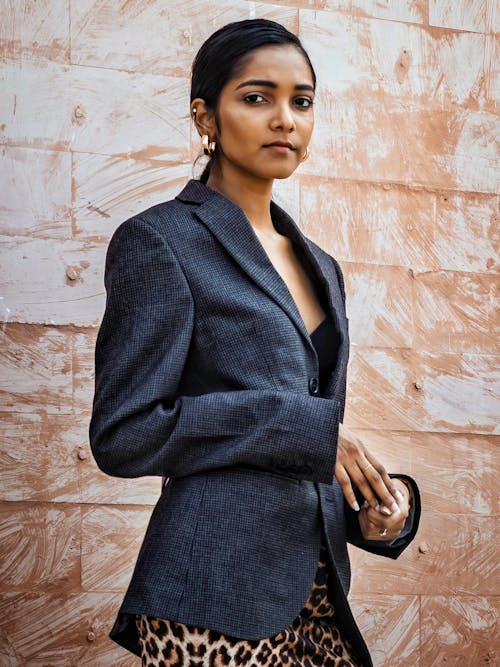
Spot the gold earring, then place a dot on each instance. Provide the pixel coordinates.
(207, 145)
(306, 154)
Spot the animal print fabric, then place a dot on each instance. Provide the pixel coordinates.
(311, 640)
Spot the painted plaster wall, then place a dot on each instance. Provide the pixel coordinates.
(401, 187)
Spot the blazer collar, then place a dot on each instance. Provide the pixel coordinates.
(232, 228)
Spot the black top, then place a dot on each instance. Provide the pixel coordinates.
(325, 339)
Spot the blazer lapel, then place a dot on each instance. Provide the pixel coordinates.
(232, 228)
(325, 271)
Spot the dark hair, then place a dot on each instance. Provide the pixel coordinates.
(224, 53)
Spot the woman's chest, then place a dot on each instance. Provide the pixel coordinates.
(297, 275)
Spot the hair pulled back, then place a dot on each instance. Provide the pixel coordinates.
(224, 53)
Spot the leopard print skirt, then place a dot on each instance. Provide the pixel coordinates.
(311, 639)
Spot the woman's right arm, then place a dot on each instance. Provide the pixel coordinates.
(142, 425)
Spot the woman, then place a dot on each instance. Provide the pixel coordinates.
(221, 366)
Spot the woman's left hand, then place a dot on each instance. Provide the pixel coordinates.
(377, 525)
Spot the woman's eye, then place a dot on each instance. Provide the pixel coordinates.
(254, 98)
(303, 102)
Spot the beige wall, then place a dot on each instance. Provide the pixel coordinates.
(400, 188)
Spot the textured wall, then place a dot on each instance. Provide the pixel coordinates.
(401, 188)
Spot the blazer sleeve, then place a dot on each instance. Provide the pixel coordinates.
(392, 548)
(142, 425)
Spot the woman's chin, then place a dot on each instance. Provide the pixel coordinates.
(280, 173)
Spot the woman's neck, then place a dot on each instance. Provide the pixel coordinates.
(251, 195)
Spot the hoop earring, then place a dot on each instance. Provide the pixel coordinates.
(207, 145)
(306, 154)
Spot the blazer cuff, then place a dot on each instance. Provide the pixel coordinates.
(391, 548)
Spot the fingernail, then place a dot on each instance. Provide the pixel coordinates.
(399, 495)
(395, 507)
(385, 510)
(366, 504)
(356, 505)
(377, 508)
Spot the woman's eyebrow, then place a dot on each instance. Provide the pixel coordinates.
(272, 84)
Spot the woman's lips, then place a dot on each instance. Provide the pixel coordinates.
(280, 148)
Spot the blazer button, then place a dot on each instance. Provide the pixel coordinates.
(314, 386)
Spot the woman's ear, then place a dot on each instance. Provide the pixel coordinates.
(204, 118)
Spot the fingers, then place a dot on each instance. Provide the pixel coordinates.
(376, 529)
(403, 504)
(404, 489)
(384, 475)
(345, 483)
(356, 466)
(379, 482)
(365, 479)
(376, 526)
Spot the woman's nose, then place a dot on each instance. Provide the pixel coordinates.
(283, 118)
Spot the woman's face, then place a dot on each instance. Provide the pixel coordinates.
(265, 115)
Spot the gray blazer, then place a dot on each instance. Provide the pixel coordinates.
(206, 375)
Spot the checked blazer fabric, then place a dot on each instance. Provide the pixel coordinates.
(207, 377)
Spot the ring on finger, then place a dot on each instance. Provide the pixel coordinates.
(382, 532)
